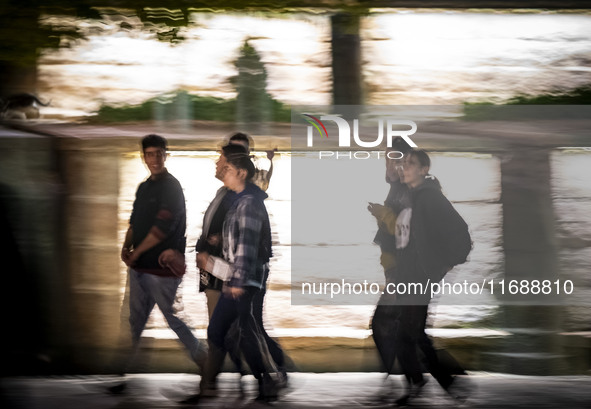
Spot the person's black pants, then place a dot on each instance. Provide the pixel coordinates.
(226, 312)
(384, 326)
(411, 338)
(274, 349)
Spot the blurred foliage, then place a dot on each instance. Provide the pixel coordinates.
(532, 106)
(252, 105)
(24, 33)
(184, 106)
(252, 102)
(577, 96)
(22, 36)
(179, 105)
(20, 31)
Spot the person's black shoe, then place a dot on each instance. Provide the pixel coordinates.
(117, 389)
(461, 389)
(414, 391)
(257, 404)
(402, 401)
(282, 380)
(261, 398)
(191, 400)
(268, 389)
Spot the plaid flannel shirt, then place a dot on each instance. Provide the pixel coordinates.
(245, 229)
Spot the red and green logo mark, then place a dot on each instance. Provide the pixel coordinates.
(317, 123)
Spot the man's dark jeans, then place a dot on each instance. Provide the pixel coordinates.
(226, 311)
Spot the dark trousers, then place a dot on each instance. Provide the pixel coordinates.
(384, 326)
(226, 312)
(412, 338)
(273, 347)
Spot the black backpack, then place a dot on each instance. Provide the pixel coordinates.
(448, 245)
(458, 244)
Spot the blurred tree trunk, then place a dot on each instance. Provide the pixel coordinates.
(19, 38)
(346, 60)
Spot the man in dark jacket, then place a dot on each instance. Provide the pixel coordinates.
(154, 248)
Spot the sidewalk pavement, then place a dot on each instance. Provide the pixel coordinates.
(309, 390)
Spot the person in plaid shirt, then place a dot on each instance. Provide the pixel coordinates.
(246, 244)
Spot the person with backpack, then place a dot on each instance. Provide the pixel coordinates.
(431, 238)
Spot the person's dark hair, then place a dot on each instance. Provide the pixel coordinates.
(154, 141)
(238, 156)
(400, 145)
(241, 138)
(421, 156)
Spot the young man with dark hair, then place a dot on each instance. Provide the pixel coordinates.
(154, 249)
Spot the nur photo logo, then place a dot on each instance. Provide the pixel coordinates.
(388, 129)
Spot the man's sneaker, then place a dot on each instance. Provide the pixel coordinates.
(461, 388)
(191, 400)
(386, 391)
(282, 380)
(118, 388)
(384, 395)
(414, 390)
(198, 397)
(241, 386)
(268, 389)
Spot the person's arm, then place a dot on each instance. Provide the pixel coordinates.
(384, 215)
(270, 156)
(204, 261)
(126, 249)
(152, 239)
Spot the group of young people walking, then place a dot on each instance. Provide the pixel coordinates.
(233, 254)
(419, 232)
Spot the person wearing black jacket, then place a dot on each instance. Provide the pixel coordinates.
(154, 249)
(431, 238)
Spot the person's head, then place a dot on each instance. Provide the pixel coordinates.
(238, 168)
(154, 153)
(240, 138)
(416, 166)
(229, 149)
(394, 159)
